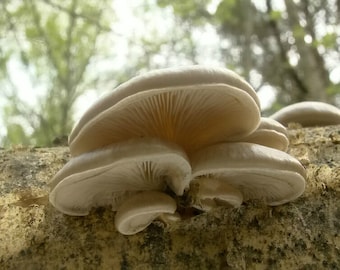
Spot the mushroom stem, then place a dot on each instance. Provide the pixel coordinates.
(208, 193)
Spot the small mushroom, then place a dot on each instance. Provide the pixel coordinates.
(308, 113)
(165, 78)
(137, 212)
(192, 107)
(257, 171)
(108, 176)
(269, 133)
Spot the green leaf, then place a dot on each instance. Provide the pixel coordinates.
(333, 89)
(299, 32)
(275, 15)
(329, 40)
(16, 135)
(225, 11)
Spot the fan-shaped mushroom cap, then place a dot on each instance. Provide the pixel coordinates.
(137, 212)
(257, 171)
(165, 78)
(190, 116)
(107, 176)
(269, 133)
(208, 193)
(308, 113)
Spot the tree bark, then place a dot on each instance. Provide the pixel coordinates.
(303, 234)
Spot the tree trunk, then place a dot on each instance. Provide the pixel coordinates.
(311, 64)
(303, 234)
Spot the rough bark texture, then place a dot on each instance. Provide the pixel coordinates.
(303, 234)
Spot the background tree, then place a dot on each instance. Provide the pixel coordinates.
(63, 50)
(67, 48)
(53, 44)
(292, 46)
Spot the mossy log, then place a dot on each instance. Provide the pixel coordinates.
(303, 234)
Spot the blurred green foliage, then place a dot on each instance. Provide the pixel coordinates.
(54, 44)
(67, 47)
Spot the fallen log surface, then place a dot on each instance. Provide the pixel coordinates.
(303, 234)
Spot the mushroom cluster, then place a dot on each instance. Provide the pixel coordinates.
(192, 132)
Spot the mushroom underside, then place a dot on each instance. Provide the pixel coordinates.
(191, 116)
(120, 152)
(109, 184)
(274, 187)
(242, 155)
(137, 212)
(256, 171)
(170, 77)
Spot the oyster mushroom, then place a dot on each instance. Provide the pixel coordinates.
(308, 113)
(269, 133)
(256, 171)
(138, 211)
(192, 107)
(164, 78)
(108, 176)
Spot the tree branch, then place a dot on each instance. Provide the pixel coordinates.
(283, 52)
(36, 19)
(73, 13)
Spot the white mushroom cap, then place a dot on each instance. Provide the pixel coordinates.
(191, 116)
(269, 133)
(257, 171)
(108, 176)
(165, 78)
(308, 113)
(208, 193)
(137, 212)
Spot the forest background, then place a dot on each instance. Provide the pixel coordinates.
(57, 57)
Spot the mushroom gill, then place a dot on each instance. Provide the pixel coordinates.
(138, 211)
(107, 176)
(165, 78)
(190, 116)
(257, 171)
